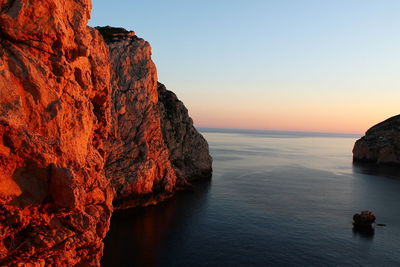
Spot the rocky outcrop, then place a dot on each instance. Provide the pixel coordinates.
(55, 202)
(138, 160)
(381, 143)
(364, 219)
(151, 148)
(81, 125)
(188, 149)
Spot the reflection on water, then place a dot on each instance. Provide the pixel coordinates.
(279, 199)
(375, 169)
(126, 231)
(364, 232)
(137, 236)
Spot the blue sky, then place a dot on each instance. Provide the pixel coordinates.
(291, 65)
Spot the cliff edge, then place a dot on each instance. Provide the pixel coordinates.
(381, 143)
(55, 202)
(189, 153)
(151, 145)
(81, 129)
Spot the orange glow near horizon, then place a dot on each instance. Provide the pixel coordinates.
(343, 107)
(342, 121)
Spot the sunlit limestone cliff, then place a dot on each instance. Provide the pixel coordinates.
(80, 128)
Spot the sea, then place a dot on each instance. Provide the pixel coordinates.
(275, 199)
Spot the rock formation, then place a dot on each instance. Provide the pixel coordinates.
(188, 149)
(381, 143)
(55, 202)
(147, 135)
(138, 160)
(81, 126)
(364, 219)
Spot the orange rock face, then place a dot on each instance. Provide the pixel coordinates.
(55, 202)
(77, 131)
(138, 160)
(153, 148)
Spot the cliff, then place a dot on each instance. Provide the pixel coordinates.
(188, 149)
(381, 143)
(137, 161)
(145, 163)
(81, 126)
(55, 202)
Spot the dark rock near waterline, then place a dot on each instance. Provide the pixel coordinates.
(188, 149)
(381, 143)
(364, 219)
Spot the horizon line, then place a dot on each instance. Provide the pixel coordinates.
(279, 130)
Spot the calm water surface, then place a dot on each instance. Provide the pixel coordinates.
(275, 199)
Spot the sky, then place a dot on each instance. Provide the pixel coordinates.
(302, 65)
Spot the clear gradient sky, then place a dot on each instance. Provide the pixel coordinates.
(308, 65)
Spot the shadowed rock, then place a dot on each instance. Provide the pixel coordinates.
(188, 149)
(364, 219)
(381, 143)
(115, 34)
